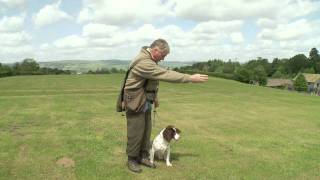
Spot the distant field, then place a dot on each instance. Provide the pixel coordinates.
(85, 66)
(229, 130)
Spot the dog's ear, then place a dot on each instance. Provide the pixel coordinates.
(168, 133)
(178, 130)
(169, 126)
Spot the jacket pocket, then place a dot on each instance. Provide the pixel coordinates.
(134, 100)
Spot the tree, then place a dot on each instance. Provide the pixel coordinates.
(205, 68)
(313, 54)
(314, 58)
(260, 75)
(277, 74)
(29, 66)
(260, 62)
(219, 69)
(276, 63)
(317, 67)
(229, 67)
(243, 74)
(308, 70)
(298, 63)
(300, 84)
(5, 70)
(114, 70)
(214, 64)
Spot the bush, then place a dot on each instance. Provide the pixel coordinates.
(243, 75)
(300, 84)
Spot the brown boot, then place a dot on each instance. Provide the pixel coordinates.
(134, 166)
(146, 162)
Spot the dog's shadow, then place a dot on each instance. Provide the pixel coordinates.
(177, 156)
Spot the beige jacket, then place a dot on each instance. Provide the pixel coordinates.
(148, 70)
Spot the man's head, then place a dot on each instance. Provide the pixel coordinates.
(159, 49)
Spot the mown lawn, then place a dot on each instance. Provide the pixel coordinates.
(229, 130)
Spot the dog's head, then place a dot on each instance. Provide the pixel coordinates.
(171, 132)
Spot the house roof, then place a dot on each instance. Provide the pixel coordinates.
(311, 77)
(278, 82)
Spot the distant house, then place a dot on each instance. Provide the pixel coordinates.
(313, 81)
(280, 83)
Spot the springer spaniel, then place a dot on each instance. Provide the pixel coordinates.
(161, 144)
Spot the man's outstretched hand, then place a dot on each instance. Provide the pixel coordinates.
(198, 78)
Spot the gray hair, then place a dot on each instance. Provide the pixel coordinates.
(162, 45)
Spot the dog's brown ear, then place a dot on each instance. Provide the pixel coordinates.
(169, 126)
(178, 130)
(168, 133)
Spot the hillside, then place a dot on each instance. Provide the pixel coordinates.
(85, 66)
(230, 130)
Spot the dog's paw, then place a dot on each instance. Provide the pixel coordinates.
(169, 164)
(154, 165)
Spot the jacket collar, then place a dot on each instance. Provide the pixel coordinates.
(145, 51)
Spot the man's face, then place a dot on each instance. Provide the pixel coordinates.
(158, 54)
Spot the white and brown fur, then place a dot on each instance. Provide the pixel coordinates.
(161, 144)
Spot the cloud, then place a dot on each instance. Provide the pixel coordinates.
(96, 30)
(266, 23)
(113, 41)
(217, 32)
(14, 39)
(15, 45)
(195, 30)
(291, 31)
(50, 14)
(72, 41)
(11, 3)
(206, 10)
(9, 53)
(298, 8)
(102, 35)
(11, 24)
(203, 42)
(218, 26)
(122, 12)
(237, 37)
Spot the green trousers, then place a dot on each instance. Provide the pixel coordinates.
(138, 133)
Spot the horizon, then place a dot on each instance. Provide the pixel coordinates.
(163, 61)
(91, 60)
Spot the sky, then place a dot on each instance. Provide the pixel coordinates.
(198, 30)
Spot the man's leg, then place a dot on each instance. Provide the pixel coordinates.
(135, 132)
(145, 146)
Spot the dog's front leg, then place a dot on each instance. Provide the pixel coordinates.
(151, 155)
(168, 157)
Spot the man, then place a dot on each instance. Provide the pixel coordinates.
(140, 92)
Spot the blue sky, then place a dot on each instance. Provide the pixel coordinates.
(241, 30)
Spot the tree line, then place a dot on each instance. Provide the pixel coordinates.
(256, 71)
(28, 67)
(31, 67)
(106, 71)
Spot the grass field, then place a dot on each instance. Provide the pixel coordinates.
(229, 130)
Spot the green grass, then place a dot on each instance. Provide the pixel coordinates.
(229, 130)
